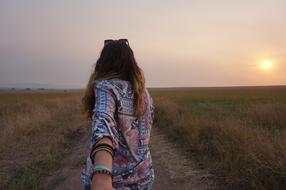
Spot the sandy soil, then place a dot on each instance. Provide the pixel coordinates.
(173, 170)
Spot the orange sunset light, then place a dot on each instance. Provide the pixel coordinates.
(266, 64)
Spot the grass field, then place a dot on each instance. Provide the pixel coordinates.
(238, 132)
(37, 128)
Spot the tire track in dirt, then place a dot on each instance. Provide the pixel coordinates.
(67, 177)
(173, 170)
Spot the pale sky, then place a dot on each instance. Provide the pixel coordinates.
(176, 43)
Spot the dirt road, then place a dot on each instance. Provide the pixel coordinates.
(173, 170)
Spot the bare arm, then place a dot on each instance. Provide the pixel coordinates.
(102, 181)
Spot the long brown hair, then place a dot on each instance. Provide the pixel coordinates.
(116, 60)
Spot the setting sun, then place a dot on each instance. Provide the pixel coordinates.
(266, 65)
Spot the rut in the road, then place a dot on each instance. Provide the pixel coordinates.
(68, 176)
(173, 169)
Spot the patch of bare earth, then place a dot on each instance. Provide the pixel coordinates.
(68, 176)
(173, 170)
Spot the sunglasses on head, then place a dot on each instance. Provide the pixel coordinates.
(120, 40)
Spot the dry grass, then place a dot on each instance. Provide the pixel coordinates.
(37, 130)
(240, 133)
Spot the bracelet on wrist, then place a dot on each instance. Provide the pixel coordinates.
(105, 172)
(101, 147)
(101, 169)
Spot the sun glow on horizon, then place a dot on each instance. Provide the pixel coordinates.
(266, 64)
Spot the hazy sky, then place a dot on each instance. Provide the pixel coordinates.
(176, 43)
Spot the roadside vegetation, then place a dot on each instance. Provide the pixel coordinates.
(36, 130)
(239, 133)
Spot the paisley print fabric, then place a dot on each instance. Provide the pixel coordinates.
(113, 117)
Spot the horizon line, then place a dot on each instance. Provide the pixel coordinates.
(153, 87)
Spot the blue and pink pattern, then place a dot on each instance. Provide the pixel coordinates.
(113, 117)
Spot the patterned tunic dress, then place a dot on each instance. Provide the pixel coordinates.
(113, 117)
